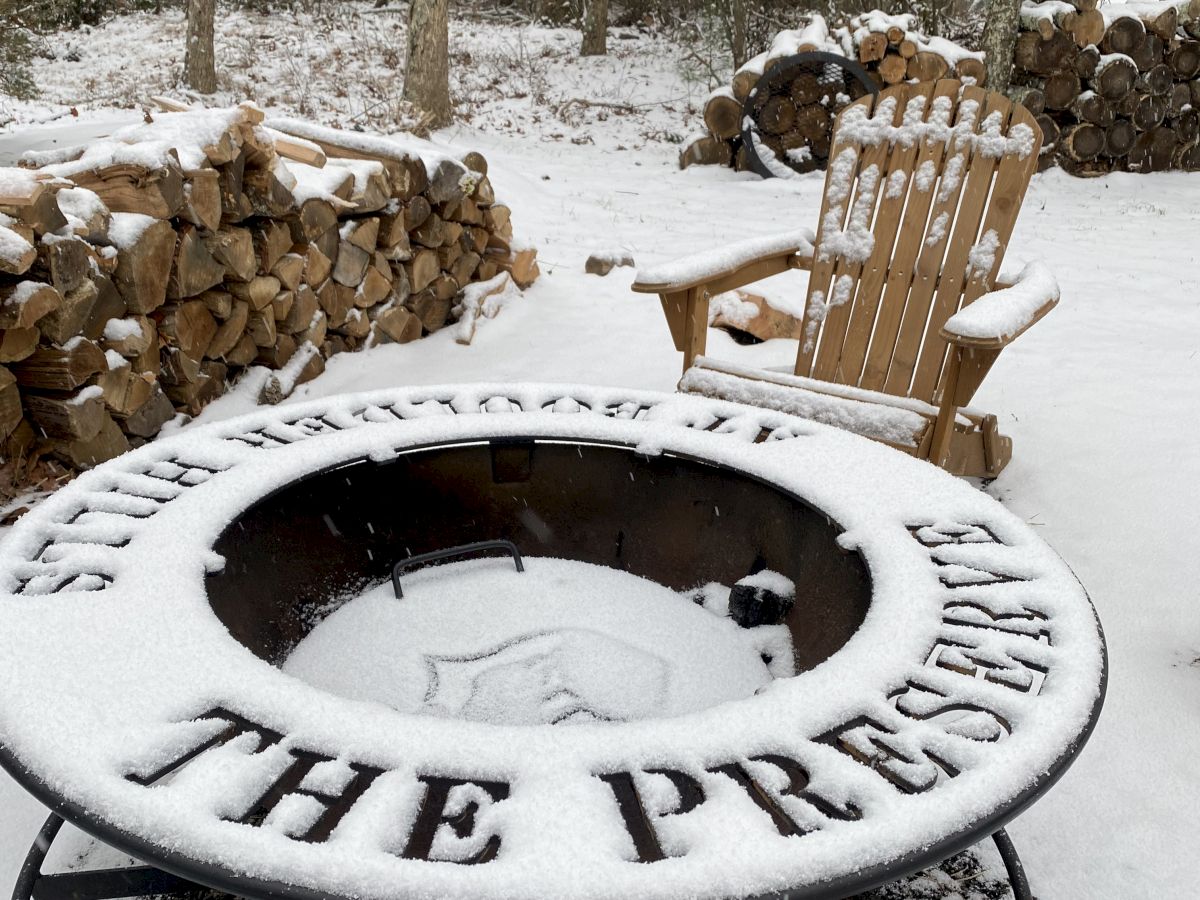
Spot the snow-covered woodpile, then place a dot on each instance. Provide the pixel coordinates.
(140, 274)
(794, 119)
(1115, 88)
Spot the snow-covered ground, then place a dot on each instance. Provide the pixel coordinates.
(1102, 398)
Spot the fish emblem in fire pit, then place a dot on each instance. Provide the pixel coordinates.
(549, 678)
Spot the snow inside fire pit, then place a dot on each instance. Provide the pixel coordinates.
(562, 642)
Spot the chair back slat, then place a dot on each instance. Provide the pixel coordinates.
(947, 189)
(854, 245)
(994, 108)
(841, 177)
(914, 107)
(901, 267)
(936, 172)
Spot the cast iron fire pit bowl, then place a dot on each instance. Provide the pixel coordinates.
(206, 664)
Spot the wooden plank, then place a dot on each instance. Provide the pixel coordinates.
(977, 187)
(887, 226)
(955, 170)
(869, 188)
(834, 213)
(902, 266)
(695, 326)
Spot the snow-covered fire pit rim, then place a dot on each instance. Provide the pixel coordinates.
(956, 580)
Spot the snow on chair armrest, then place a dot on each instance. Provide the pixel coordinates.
(998, 317)
(701, 268)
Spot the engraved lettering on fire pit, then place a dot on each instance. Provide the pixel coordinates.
(437, 811)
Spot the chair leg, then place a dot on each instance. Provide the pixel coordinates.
(943, 427)
(695, 326)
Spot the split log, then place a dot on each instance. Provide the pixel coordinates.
(188, 326)
(69, 318)
(229, 332)
(233, 248)
(195, 270)
(20, 252)
(74, 417)
(10, 404)
(351, 265)
(259, 292)
(397, 325)
(271, 241)
(148, 419)
(202, 199)
(23, 305)
(317, 266)
(18, 343)
(289, 270)
(281, 306)
(155, 192)
(65, 263)
(147, 253)
(108, 443)
(422, 269)
(109, 305)
(130, 337)
(54, 368)
(873, 47)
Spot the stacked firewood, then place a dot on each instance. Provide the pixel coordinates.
(1115, 88)
(793, 112)
(140, 274)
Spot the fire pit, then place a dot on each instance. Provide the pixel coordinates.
(702, 650)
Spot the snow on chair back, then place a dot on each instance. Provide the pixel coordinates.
(923, 189)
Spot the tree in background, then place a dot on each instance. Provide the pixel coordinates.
(199, 61)
(16, 48)
(999, 39)
(427, 69)
(595, 28)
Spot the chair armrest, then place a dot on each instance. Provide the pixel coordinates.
(998, 317)
(756, 257)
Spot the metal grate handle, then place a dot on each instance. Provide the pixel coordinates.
(462, 550)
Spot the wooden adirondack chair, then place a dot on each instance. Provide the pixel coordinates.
(904, 314)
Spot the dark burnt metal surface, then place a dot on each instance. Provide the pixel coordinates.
(679, 522)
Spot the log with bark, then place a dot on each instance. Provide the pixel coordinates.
(793, 107)
(1118, 97)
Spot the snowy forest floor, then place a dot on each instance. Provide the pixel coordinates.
(1102, 399)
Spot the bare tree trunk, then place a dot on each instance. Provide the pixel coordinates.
(999, 39)
(199, 66)
(427, 70)
(737, 32)
(595, 28)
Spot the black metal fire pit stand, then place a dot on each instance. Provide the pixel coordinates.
(147, 881)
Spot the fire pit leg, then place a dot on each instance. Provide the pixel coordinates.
(31, 869)
(98, 884)
(1012, 864)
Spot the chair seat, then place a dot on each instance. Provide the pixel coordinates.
(880, 417)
